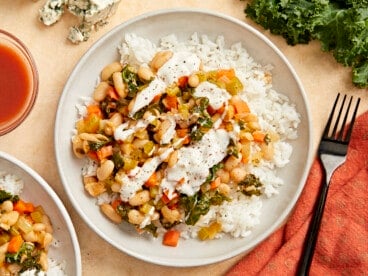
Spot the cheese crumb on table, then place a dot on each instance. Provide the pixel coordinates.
(91, 13)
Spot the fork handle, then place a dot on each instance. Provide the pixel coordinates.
(312, 235)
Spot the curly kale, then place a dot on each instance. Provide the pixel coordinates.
(339, 25)
(199, 204)
(4, 195)
(27, 257)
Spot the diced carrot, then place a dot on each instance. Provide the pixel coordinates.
(112, 93)
(94, 109)
(181, 181)
(165, 199)
(211, 110)
(239, 104)
(221, 109)
(258, 136)
(23, 207)
(225, 73)
(171, 238)
(186, 140)
(245, 159)
(182, 132)
(215, 183)
(93, 155)
(157, 98)
(170, 102)
(15, 243)
(152, 180)
(116, 203)
(104, 152)
(183, 81)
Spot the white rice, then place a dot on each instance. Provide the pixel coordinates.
(11, 183)
(273, 109)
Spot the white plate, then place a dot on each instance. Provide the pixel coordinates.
(183, 23)
(37, 191)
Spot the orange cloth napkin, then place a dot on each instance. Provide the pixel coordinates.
(342, 245)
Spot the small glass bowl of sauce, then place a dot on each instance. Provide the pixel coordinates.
(18, 82)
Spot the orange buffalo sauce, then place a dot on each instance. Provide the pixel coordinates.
(15, 84)
(18, 82)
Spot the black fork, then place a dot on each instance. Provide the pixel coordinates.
(332, 153)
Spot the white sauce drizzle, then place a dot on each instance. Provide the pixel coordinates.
(170, 132)
(143, 98)
(124, 131)
(216, 96)
(195, 161)
(180, 64)
(130, 185)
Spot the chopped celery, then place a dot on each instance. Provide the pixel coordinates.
(24, 224)
(37, 216)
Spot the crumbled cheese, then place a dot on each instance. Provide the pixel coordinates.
(52, 11)
(91, 13)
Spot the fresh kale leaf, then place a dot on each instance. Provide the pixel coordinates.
(4, 195)
(27, 257)
(341, 26)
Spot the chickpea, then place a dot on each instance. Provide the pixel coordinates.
(237, 174)
(224, 189)
(193, 80)
(224, 175)
(231, 163)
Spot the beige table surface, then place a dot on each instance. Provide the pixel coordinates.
(32, 142)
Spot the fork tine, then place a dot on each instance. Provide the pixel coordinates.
(333, 134)
(343, 125)
(327, 128)
(348, 134)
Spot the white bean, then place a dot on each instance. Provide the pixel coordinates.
(47, 240)
(139, 198)
(135, 217)
(105, 170)
(119, 84)
(160, 59)
(38, 227)
(109, 211)
(170, 215)
(100, 92)
(145, 73)
(9, 218)
(6, 206)
(109, 69)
